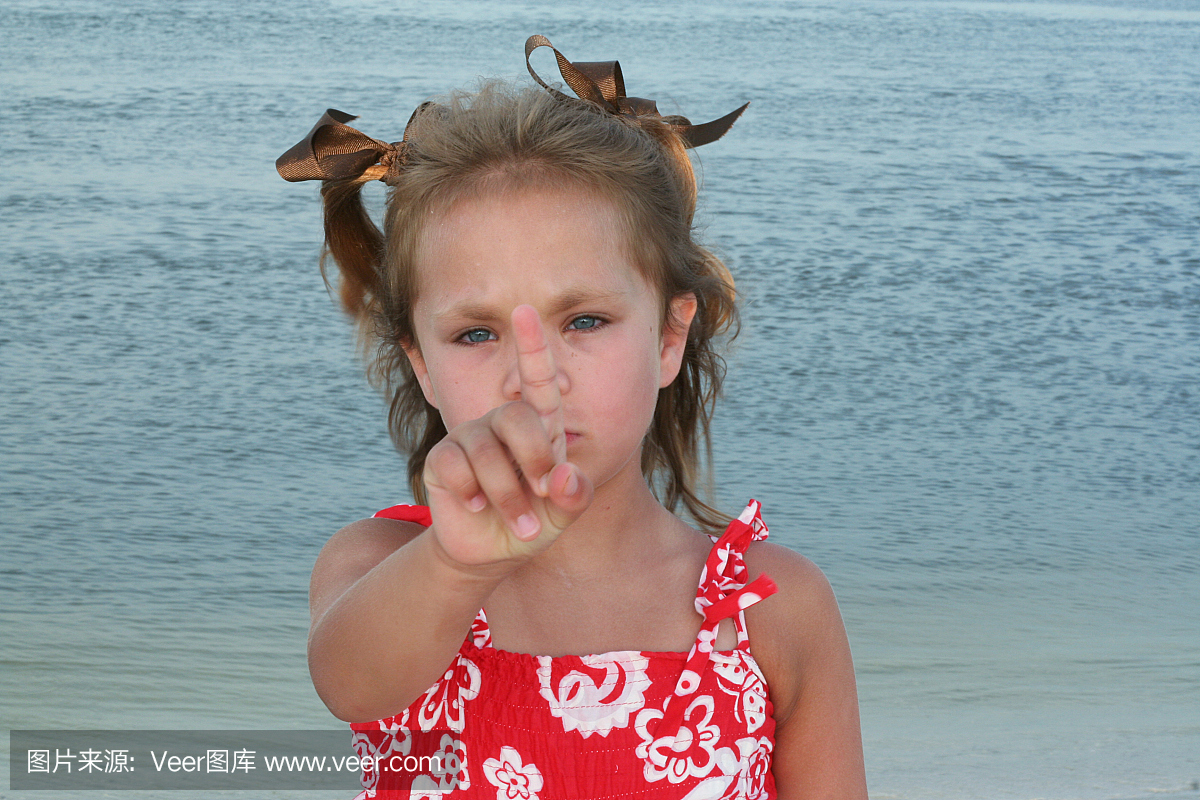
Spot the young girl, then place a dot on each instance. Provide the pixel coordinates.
(548, 627)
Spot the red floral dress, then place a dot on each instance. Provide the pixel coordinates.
(617, 725)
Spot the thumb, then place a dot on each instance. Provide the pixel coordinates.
(570, 494)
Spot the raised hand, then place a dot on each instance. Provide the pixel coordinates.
(500, 487)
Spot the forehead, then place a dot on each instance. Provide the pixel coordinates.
(524, 246)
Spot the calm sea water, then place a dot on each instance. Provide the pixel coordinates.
(968, 238)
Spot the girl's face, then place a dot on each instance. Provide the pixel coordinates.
(560, 251)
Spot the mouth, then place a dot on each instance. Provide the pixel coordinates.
(572, 437)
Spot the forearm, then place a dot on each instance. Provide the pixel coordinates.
(392, 633)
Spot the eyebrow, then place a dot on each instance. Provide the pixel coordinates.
(473, 310)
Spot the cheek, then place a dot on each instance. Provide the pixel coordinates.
(461, 400)
(630, 391)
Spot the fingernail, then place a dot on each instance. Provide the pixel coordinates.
(544, 485)
(527, 526)
(572, 484)
(477, 503)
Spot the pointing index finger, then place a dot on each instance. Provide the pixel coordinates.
(539, 376)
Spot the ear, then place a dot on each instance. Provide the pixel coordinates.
(417, 361)
(675, 335)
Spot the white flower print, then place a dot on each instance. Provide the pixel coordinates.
(397, 739)
(512, 779)
(368, 756)
(756, 767)
(597, 696)
(446, 699)
(736, 677)
(689, 753)
(452, 755)
(397, 735)
(741, 774)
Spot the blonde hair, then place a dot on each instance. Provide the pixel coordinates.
(503, 138)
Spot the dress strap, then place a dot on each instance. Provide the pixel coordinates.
(725, 591)
(406, 513)
(481, 632)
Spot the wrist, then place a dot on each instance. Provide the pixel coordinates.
(468, 577)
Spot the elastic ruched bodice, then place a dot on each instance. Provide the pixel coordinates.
(615, 725)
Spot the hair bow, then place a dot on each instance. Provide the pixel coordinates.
(333, 150)
(601, 82)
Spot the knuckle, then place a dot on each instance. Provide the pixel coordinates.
(449, 467)
(486, 450)
(514, 421)
(502, 416)
(443, 455)
(541, 381)
(512, 413)
(510, 500)
(463, 485)
(479, 441)
(537, 456)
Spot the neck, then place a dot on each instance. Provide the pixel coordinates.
(624, 526)
(622, 576)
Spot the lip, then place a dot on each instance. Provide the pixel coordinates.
(573, 437)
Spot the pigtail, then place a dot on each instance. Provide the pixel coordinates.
(382, 311)
(355, 244)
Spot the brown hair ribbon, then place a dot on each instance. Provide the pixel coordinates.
(601, 82)
(333, 150)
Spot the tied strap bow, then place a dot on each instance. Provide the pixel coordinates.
(725, 591)
(601, 83)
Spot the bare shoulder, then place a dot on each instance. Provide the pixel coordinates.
(792, 629)
(790, 570)
(799, 641)
(351, 553)
(803, 588)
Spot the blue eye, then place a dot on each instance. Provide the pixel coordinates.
(477, 336)
(584, 323)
